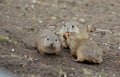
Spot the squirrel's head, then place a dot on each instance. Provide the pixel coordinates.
(69, 27)
(74, 26)
(77, 28)
(52, 41)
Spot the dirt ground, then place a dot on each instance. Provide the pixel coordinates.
(21, 18)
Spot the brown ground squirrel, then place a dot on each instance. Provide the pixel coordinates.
(67, 27)
(81, 46)
(47, 42)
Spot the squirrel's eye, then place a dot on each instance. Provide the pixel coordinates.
(56, 40)
(47, 39)
(73, 26)
(64, 25)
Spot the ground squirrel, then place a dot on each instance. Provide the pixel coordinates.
(71, 26)
(47, 42)
(82, 47)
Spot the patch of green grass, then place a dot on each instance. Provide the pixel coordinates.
(3, 38)
(90, 73)
(101, 74)
(61, 73)
(87, 72)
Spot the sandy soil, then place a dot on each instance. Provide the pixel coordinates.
(21, 18)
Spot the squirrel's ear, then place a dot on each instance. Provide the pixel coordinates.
(91, 28)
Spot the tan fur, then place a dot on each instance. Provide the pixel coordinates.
(91, 28)
(63, 40)
(44, 46)
(83, 48)
(78, 28)
(89, 51)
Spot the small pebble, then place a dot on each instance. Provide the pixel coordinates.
(91, 38)
(52, 27)
(114, 75)
(25, 56)
(119, 15)
(36, 59)
(33, 17)
(26, 5)
(32, 6)
(53, 17)
(34, 1)
(8, 17)
(74, 18)
(40, 21)
(31, 59)
(105, 44)
(119, 48)
(113, 13)
(13, 50)
(82, 20)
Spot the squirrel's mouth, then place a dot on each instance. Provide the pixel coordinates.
(66, 35)
(51, 47)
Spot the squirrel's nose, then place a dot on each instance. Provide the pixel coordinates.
(67, 30)
(51, 44)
